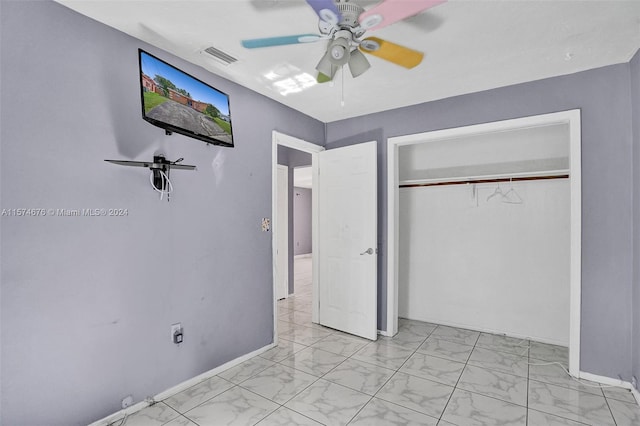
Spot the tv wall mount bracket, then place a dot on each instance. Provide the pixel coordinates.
(160, 167)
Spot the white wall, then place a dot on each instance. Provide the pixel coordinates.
(487, 265)
(506, 152)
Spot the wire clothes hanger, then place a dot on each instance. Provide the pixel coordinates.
(509, 197)
(497, 192)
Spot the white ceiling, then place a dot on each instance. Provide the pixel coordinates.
(470, 46)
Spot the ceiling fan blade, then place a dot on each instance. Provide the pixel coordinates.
(281, 41)
(326, 10)
(390, 11)
(391, 52)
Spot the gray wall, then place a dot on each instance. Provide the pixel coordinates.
(635, 100)
(607, 251)
(87, 302)
(301, 220)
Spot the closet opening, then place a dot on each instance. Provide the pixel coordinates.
(484, 229)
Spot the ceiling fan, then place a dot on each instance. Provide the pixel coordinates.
(343, 24)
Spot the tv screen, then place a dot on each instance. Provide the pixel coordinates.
(178, 102)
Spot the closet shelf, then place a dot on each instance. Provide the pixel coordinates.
(494, 178)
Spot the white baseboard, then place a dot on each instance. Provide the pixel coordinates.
(636, 394)
(385, 333)
(611, 382)
(302, 256)
(604, 380)
(180, 387)
(489, 330)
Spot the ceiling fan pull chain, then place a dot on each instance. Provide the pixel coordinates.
(342, 82)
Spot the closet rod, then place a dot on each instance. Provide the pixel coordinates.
(495, 180)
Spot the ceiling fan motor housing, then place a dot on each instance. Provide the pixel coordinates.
(350, 14)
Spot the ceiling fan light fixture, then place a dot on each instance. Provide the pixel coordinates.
(326, 67)
(358, 63)
(338, 51)
(323, 78)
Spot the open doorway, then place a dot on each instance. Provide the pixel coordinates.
(344, 255)
(302, 234)
(294, 305)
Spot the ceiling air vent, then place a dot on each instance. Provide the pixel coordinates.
(223, 57)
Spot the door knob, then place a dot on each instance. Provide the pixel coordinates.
(367, 251)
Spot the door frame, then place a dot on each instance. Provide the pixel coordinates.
(572, 118)
(277, 139)
(282, 275)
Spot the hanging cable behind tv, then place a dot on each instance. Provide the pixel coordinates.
(160, 170)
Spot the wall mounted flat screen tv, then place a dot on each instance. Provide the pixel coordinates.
(178, 102)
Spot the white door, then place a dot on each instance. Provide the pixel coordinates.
(282, 228)
(347, 239)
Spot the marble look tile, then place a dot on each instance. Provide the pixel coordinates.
(457, 335)
(236, 406)
(499, 361)
(360, 376)
(405, 338)
(156, 414)
(446, 349)
(279, 383)
(303, 298)
(416, 394)
(303, 307)
(284, 349)
(313, 361)
(503, 343)
(569, 403)
(285, 417)
(416, 327)
(197, 394)
(328, 403)
(472, 409)
(180, 421)
(297, 317)
(555, 375)
(245, 370)
(284, 326)
(621, 394)
(321, 327)
(537, 418)
(625, 414)
(433, 368)
(286, 303)
(382, 413)
(340, 344)
(550, 353)
(506, 387)
(305, 335)
(383, 355)
(283, 310)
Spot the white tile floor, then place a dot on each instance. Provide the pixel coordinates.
(427, 374)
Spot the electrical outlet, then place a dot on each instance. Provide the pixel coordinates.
(176, 333)
(127, 401)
